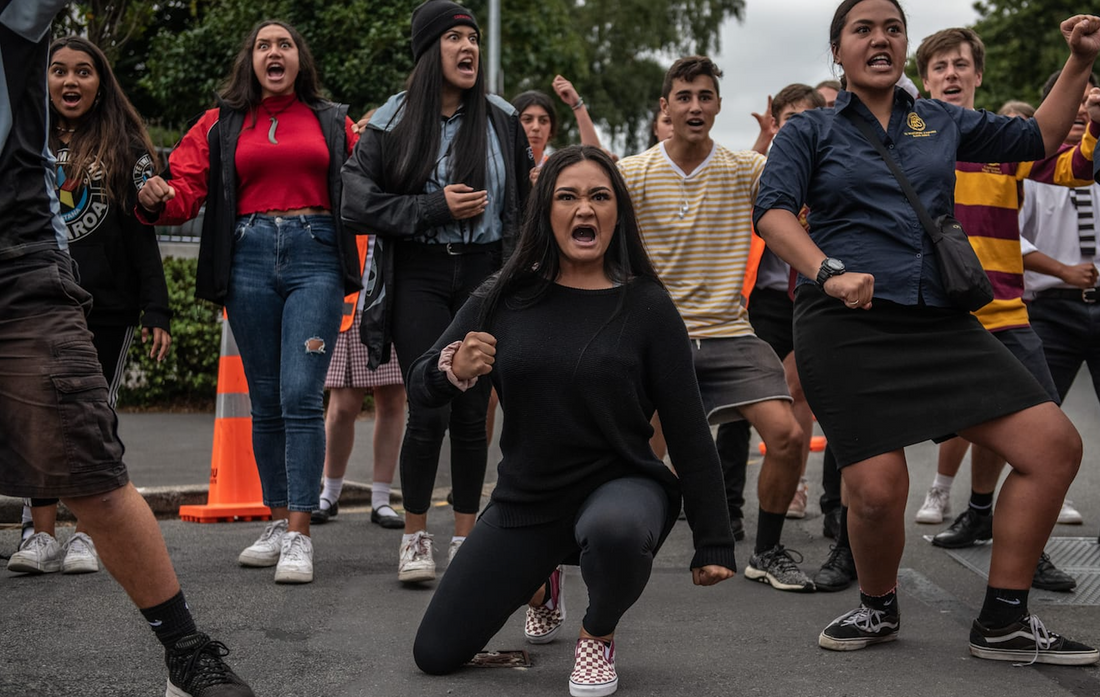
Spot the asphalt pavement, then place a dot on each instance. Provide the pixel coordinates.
(349, 633)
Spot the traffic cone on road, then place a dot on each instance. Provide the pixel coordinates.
(235, 492)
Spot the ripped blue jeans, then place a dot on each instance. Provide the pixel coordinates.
(286, 294)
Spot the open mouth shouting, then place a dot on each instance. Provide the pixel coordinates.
(881, 62)
(467, 68)
(584, 235)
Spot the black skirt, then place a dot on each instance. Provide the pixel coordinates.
(896, 375)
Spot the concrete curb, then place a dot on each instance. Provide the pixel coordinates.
(165, 501)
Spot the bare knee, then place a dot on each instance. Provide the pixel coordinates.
(785, 442)
(93, 510)
(876, 505)
(315, 345)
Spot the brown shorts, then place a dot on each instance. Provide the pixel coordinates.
(58, 434)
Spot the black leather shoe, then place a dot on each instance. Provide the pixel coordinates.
(323, 515)
(831, 524)
(1051, 578)
(737, 527)
(838, 572)
(968, 529)
(387, 518)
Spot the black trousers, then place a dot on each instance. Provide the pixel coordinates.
(430, 287)
(616, 531)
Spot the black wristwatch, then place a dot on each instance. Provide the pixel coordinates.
(829, 268)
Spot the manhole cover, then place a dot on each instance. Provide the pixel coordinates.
(501, 659)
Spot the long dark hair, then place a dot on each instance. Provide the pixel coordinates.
(536, 262)
(242, 90)
(414, 142)
(98, 142)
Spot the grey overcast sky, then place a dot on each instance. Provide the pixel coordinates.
(785, 41)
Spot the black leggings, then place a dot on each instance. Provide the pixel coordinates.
(496, 571)
(431, 287)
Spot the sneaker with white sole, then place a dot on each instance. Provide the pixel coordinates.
(80, 555)
(859, 629)
(415, 563)
(295, 559)
(937, 505)
(797, 509)
(543, 622)
(1028, 641)
(38, 554)
(1069, 515)
(452, 550)
(777, 568)
(267, 549)
(593, 669)
(196, 669)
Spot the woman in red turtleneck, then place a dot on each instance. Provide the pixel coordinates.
(266, 162)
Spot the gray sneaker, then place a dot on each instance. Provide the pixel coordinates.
(777, 568)
(38, 554)
(266, 550)
(415, 562)
(296, 559)
(80, 555)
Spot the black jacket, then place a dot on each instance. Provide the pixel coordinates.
(369, 208)
(216, 244)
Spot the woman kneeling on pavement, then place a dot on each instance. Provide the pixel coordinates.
(581, 341)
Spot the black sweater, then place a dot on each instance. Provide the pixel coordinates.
(579, 375)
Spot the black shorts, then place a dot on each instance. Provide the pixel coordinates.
(58, 434)
(771, 313)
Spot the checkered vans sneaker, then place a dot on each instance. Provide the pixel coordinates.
(1028, 642)
(594, 669)
(859, 629)
(544, 621)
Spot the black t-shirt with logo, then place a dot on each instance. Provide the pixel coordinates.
(28, 220)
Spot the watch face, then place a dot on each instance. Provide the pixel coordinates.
(834, 265)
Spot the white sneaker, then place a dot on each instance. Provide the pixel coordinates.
(295, 560)
(453, 549)
(1069, 515)
(415, 563)
(268, 548)
(80, 555)
(38, 554)
(937, 504)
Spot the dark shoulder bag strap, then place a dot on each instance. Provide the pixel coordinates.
(922, 213)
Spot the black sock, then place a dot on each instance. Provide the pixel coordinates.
(886, 603)
(842, 536)
(1002, 607)
(171, 620)
(981, 504)
(769, 530)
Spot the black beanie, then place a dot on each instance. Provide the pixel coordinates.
(434, 17)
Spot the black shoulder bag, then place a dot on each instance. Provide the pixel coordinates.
(963, 277)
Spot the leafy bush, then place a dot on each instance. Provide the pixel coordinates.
(188, 377)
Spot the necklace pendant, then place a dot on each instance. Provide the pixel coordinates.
(271, 131)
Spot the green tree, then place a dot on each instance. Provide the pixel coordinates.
(1023, 47)
(615, 53)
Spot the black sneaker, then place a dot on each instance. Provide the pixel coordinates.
(1051, 578)
(859, 629)
(831, 524)
(1027, 640)
(324, 514)
(777, 568)
(737, 528)
(838, 571)
(196, 669)
(968, 529)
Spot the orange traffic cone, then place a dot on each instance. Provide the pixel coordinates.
(235, 492)
(817, 444)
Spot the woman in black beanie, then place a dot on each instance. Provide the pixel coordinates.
(440, 175)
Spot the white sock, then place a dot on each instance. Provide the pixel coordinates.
(458, 539)
(331, 492)
(379, 495)
(29, 530)
(943, 482)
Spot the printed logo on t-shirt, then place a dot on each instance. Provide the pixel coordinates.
(84, 202)
(143, 171)
(915, 122)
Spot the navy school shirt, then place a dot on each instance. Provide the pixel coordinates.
(858, 211)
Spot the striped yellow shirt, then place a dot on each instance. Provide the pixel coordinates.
(697, 229)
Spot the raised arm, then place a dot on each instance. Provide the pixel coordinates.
(1057, 112)
(565, 91)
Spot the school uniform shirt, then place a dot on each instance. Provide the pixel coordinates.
(1048, 224)
(872, 227)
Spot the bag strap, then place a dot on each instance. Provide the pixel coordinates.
(922, 213)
